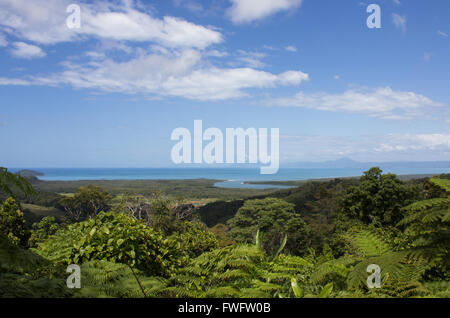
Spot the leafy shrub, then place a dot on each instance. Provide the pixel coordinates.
(115, 238)
(43, 229)
(12, 223)
(195, 239)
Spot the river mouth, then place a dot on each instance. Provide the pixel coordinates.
(239, 184)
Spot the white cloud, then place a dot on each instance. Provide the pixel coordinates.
(26, 51)
(175, 63)
(381, 102)
(181, 74)
(3, 41)
(251, 59)
(246, 11)
(389, 147)
(399, 22)
(269, 47)
(137, 26)
(95, 55)
(38, 21)
(14, 81)
(216, 53)
(441, 33)
(408, 142)
(219, 84)
(290, 48)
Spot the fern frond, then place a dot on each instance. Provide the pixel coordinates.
(368, 243)
(442, 183)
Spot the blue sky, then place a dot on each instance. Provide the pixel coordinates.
(110, 93)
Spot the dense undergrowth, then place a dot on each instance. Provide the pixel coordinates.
(313, 241)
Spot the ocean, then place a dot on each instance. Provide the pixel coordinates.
(233, 177)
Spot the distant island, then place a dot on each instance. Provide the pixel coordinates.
(29, 174)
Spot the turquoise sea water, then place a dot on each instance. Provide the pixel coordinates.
(234, 177)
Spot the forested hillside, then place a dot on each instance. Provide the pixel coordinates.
(315, 240)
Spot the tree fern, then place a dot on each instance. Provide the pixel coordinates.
(443, 183)
(27, 275)
(105, 279)
(427, 226)
(368, 243)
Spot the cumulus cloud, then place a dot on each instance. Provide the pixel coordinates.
(181, 74)
(399, 22)
(26, 51)
(246, 11)
(176, 61)
(37, 21)
(382, 102)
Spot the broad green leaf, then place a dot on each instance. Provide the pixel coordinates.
(281, 247)
(298, 292)
(326, 291)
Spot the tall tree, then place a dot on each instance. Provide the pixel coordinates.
(275, 218)
(87, 202)
(378, 199)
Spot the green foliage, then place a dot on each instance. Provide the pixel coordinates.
(275, 218)
(42, 230)
(115, 238)
(152, 250)
(162, 215)
(368, 247)
(10, 183)
(440, 289)
(367, 242)
(378, 199)
(102, 279)
(239, 271)
(226, 272)
(298, 292)
(326, 291)
(24, 274)
(195, 239)
(221, 232)
(86, 203)
(400, 289)
(12, 223)
(427, 227)
(442, 183)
